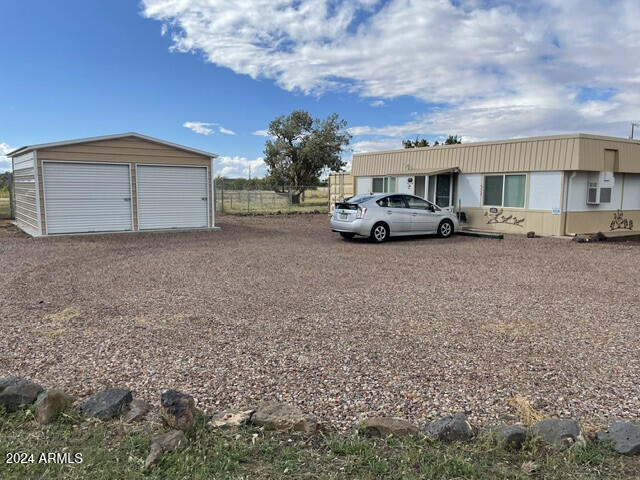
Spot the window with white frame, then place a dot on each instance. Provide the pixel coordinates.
(383, 185)
(505, 190)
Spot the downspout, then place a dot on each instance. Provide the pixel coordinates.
(566, 201)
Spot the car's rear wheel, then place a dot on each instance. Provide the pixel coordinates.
(380, 233)
(445, 229)
(347, 235)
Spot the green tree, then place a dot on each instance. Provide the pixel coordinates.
(5, 183)
(423, 142)
(417, 143)
(301, 148)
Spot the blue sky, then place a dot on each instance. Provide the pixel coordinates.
(213, 74)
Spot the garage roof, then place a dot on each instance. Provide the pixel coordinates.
(29, 148)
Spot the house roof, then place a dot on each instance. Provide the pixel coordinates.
(40, 146)
(559, 152)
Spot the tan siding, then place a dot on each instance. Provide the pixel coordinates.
(573, 152)
(539, 221)
(124, 150)
(599, 221)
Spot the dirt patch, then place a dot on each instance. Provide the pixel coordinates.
(280, 308)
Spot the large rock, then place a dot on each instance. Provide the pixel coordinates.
(624, 437)
(559, 432)
(50, 404)
(280, 416)
(166, 442)
(511, 437)
(230, 418)
(177, 410)
(16, 392)
(108, 403)
(451, 428)
(385, 426)
(137, 411)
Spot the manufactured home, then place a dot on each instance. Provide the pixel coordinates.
(556, 185)
(118, 183)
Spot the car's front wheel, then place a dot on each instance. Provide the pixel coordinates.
(380, 233)
(445, 229)
(347, 235)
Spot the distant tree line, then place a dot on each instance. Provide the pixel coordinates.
(423, 142)
(267, 183)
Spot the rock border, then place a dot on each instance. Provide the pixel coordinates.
(178, 412)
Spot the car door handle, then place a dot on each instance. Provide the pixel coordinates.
(414, 214)
(389, 212)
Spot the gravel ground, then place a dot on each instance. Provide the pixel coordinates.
(281, 308)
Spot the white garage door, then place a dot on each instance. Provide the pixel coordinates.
(172, 197)
(87, 197)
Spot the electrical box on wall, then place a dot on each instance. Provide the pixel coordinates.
(600, 188)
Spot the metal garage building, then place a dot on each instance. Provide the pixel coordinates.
(118, 183)
(555, 185)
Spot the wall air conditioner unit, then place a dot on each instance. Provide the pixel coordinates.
(600, 188)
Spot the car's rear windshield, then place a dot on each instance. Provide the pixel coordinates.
(359, 199)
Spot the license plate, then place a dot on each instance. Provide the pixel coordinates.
(342, 216)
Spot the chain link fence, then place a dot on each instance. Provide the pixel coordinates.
(252, 200)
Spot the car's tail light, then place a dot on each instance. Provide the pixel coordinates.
(361, 212)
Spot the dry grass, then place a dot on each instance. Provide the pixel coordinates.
(525, 412)
(63, 316)
(51, 333)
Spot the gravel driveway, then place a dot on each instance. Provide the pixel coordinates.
(280, 308)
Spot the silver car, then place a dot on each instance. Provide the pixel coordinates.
(380, 216)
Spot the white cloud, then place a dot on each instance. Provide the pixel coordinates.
(373, 145)
(203, 128)
(235, 167)
(226, 131)
(377, 103)
(500, 68)
(199, 127)
(5, 162)
(261, 133)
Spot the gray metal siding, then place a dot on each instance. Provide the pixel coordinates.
(172, 197)
(26, 206)
(87, 197)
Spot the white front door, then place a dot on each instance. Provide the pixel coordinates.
(172, 197)
(87, 197)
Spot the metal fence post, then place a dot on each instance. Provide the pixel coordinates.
(222, 196)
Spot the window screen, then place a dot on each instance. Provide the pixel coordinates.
(514, 190)
(378, 185)
(592, 195)
(605, 195)
(493, 190)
